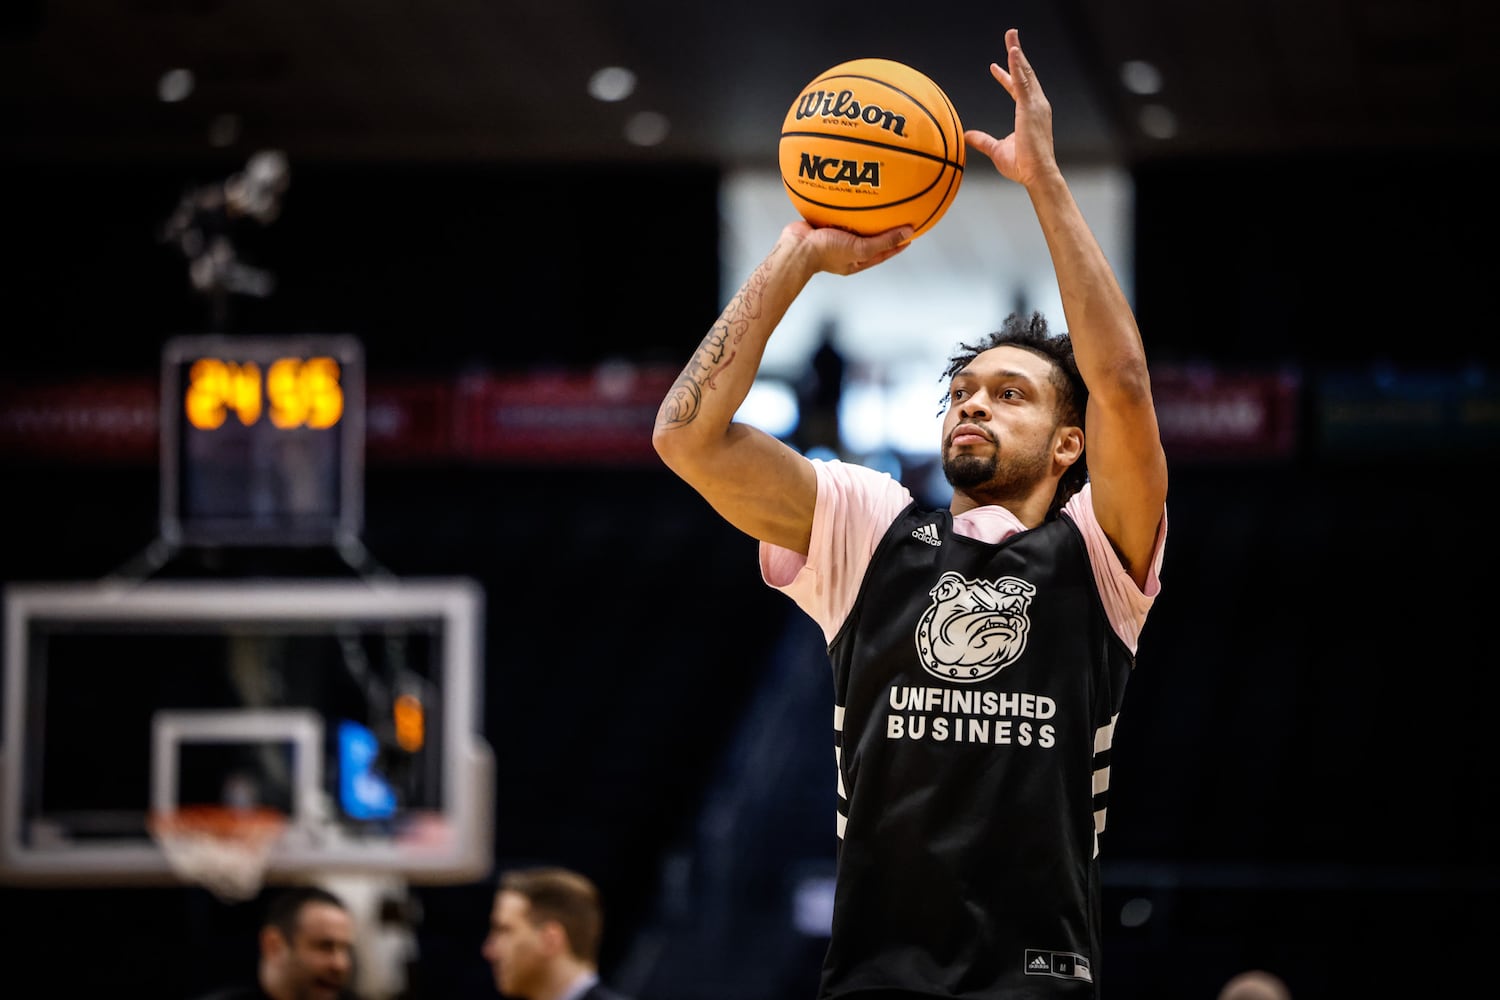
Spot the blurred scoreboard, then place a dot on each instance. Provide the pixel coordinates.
(262, 440)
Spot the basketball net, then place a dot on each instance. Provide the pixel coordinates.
(225, 849)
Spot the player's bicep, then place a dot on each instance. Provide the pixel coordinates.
(1128, 477)
(759, 484)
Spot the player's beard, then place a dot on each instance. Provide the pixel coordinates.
(984, 475)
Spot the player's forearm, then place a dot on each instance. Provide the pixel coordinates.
(704, 399)
(1106, 341)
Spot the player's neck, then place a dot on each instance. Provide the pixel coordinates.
(1030, 509)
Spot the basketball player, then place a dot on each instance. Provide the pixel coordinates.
(544, 936)
(980, 652)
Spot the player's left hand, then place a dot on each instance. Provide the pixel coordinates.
(1028, 153)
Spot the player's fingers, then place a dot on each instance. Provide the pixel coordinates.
(884, 255)
(894, 238)
(1021, 74)
(982, 142)
(871, 250)
(1002, 77)
(866, 247)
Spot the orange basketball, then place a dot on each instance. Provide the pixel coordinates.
(870, 145)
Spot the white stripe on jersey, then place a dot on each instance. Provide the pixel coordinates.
(1104, 736)
(838, 765)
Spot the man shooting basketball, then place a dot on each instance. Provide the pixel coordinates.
(980, 652)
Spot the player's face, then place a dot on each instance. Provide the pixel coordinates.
(321, 953)
(999, 430)
(515, 947)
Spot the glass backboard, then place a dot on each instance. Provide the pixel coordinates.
(353, 707)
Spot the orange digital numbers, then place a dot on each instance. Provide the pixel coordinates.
(304, 393)
(216, 387)
(299, 392)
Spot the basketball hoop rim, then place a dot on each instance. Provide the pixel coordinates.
(226, 849)
(228, 822)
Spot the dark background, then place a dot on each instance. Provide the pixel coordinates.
(1301, 775)
(1300, 772)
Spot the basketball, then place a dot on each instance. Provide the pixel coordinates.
(870, 145)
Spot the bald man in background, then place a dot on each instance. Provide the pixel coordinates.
(1255, 984)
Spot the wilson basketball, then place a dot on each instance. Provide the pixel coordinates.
(870, 145)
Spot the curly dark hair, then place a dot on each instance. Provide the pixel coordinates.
(1031, 333)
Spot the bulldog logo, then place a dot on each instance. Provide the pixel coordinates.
(974, 628)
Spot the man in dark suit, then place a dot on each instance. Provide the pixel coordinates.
(544, 936)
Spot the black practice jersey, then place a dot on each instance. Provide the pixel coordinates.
(976, 686)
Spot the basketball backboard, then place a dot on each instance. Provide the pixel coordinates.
(352, 706)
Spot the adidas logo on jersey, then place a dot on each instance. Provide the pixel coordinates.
(927, 533)
(1058, 965)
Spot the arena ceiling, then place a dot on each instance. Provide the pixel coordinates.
(507, 80)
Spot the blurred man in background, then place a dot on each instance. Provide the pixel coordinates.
(306, 950)
(545, 931)
(1255, 984)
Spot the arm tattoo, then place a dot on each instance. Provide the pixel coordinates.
(715, 354)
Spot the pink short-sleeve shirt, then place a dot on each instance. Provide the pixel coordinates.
(856, 505)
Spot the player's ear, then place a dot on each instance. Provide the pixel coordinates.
(1067, 445)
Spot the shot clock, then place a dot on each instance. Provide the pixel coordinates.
(262, 440)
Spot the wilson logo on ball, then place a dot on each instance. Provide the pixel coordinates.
(827, 104)
(835, 171)
(872, 145)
